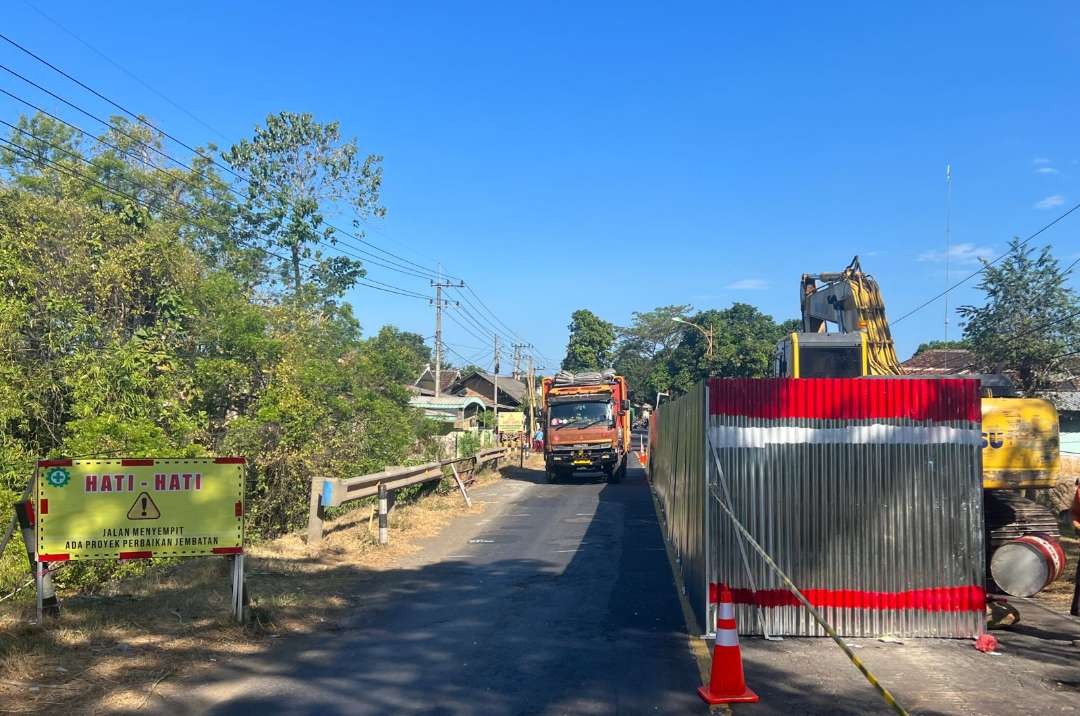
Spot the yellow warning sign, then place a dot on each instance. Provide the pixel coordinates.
(144, 508)
(135, 508)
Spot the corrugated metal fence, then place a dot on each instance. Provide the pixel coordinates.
(866, 492)
(677, 472)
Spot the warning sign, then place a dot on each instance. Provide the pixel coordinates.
(144, 508)
(139, 507)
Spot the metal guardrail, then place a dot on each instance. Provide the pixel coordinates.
(334, 492)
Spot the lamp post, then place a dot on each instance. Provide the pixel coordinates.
(707, 332)
(666, 395)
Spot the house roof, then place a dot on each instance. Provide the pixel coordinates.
(445, 402)
(447, 377)
(445, 407)
(941, 361)
(512, 387)
(1064, 399)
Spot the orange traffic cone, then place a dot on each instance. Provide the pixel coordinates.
(727, 685)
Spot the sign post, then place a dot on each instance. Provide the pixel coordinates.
(138, 508)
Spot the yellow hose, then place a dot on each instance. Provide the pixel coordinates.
(881, 358)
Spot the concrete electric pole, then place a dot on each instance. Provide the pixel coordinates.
(441, 303)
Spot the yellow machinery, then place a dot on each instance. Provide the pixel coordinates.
(1020, 435)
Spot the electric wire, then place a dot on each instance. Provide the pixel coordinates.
(125, 70)
(985, 266)
(463, 327)
(180, 142)
(366, 259)
(210, 159)
(74, 173)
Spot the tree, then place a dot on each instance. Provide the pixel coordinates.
(591, 342)
(650, 333)
(298, 168)
(1029, 320)
(744, 340)
(943, 345)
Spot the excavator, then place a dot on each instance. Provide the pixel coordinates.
(845, 334)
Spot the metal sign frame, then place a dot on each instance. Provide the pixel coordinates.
(191, 507)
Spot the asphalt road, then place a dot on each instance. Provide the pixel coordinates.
(558, 600)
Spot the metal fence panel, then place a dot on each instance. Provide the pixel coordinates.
(866, 492)
(677, 471)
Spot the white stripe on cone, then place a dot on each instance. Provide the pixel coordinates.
(727, 637)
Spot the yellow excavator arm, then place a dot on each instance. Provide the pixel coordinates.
(852, 301)
(845, 333)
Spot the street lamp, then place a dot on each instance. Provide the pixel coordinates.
(666, 395)
(707, 332)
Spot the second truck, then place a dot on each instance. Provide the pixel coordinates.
(586, 424)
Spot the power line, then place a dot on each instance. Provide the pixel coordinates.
(492, 313)
(34, 156)
(478, 323)
(464, 327)
(510, 337)
(175, 139)
(210, 159)
(983, 267)
(390, 288)
(125, 70)
(1041, 326)
(368, 257)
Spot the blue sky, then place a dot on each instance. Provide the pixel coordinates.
(700, 153)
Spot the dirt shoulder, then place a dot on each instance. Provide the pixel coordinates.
(110, 652)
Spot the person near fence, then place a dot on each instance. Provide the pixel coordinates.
(1074, 512)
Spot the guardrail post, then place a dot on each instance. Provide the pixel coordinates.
(315, 512)
(384, 522)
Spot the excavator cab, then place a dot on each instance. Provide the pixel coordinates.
(821, 355)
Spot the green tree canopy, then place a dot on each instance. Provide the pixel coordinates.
(592, 340)
(298, 170)
(1030, 317)
(137, 318)
(943, 345)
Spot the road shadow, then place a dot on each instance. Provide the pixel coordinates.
(602, 633)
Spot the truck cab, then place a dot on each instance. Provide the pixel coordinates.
(586, 424)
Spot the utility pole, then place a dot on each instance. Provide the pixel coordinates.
(517, 358)
(496, 367)
(441, 303)
(530, 390)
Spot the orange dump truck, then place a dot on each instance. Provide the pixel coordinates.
(586, 424)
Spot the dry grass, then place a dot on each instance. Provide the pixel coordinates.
(110, 653)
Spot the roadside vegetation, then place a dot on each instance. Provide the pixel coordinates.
(160, 310)
(136, 637)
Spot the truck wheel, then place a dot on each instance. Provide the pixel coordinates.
(550, 475)
(616, 474)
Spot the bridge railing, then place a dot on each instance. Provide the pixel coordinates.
(329, 492)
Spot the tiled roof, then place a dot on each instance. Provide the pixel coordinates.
(941, 361)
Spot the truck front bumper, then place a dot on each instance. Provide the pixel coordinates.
(593, 457)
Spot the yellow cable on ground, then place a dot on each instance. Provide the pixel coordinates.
(885, 694)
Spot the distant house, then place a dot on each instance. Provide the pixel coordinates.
(425, 384)
(941, 361)
(462, 411)
(482, 385)
(1064, 393)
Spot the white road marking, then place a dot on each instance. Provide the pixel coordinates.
(481, 541)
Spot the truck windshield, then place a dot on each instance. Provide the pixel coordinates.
(579, 415)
